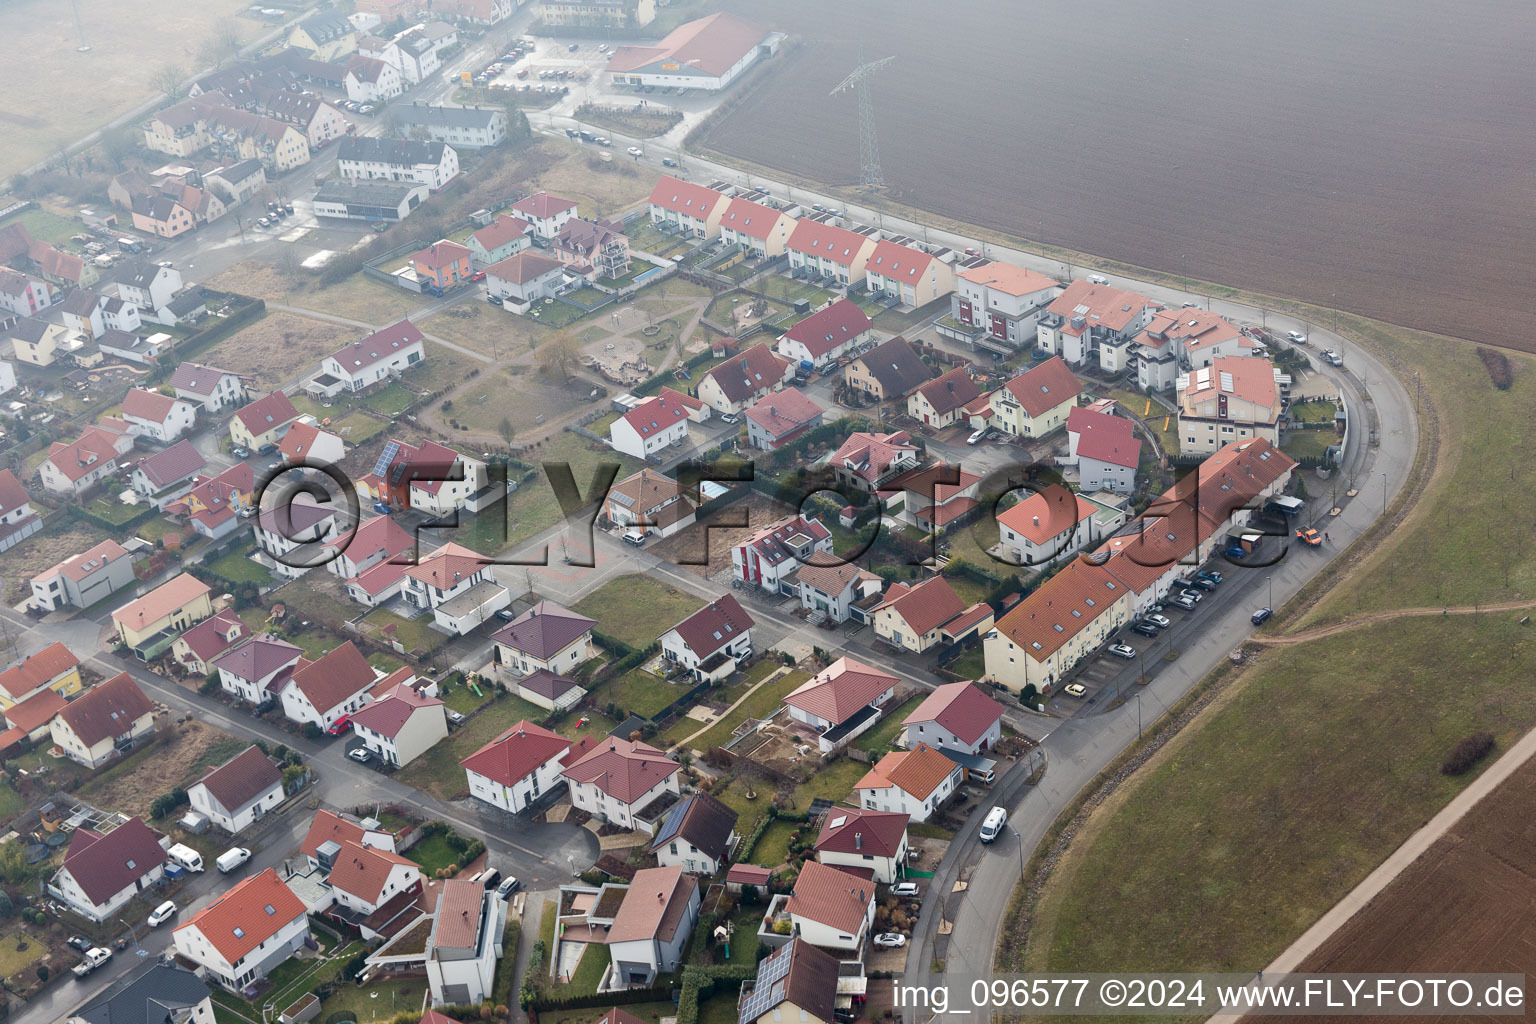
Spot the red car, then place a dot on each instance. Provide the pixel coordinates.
(342, 725)
(478, 275)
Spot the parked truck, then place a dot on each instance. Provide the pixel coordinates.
(94, 958)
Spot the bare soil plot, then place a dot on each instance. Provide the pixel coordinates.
(180, 762)
(357, 298)
(44, 550)
(755, 510)
(1239, 174)
(279, 347)
(487, 329)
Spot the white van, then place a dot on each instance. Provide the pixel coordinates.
(231, 859)
(186, 856)
(992, 827)
(1098, 279)
(636, 537)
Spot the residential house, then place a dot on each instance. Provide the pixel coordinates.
(1235, 398)
(329, 831)
(150, 624)
(478, 12)
(594, 249)
(22, 294)
(697, 835)
(840, 702)
(921, 616)
(52, 669)
(198, 648)
(145, 350)
(465, 942)
(546, 637)
(306, 443)
(416, 54)
(732, 385)
(103, 722)
(327, 36)
(401, 725)
(770, 557)
(1037, 401)
(40, 343)
(618, 780)
(778, 419)
(381, 356)
(1106, 450)
(998, 306)
(259, 668)
(147, 285)
(867, 462)
(441, 266)
(262, 422)
(934, 498)
(648, 501)
(105, 868)
(238, 181)
(914, 782)
(518, 768)
(941, 402)
(762, 231)
(1050, 523)
(820, 249)
(209, 388)
(501, 239)
(796, 982)
(433, 164)
(685, 208)
(375, 540)
(903, 271)
(712, 642)
(826, 336)
(82, 312)
(461, 127)
(1093, 322)
(1064, 619)
(387, 202)
(457, 586)
(74, 467)
(545, 212)
(523, 279)
(239, 792)
(547, 690)
(831, 908)
(651, 929)
(160, 994)
(1176, 340)
(597, 13)
(889, 371)
(245, 932)
(838, 592)
(84, 579)
(167, 474)
(162, 215)
(852, 837)
(648, 429)
(30, 721)
(955, 717)
(332, 686)
(371, 80)
(292, 535)
(18, 521)
(214, 506)
(155, 416)
(320, 122)
(364, 878)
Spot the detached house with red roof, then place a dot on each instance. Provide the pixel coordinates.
(74, 467)
(518, 768)
(501, 239)
(648, 429)
(246, 932)
(941, 402)
(838, 592)
(262, 422)
(650, 931)
(239, 792)
(955, 716)
(199, 647)
(306, 442)
(771, 556)
(383, 355)
(329, 688)
(827, 336)
(914, 782)
(651, 502)
(82, 580)
(841, 702)
(258, 668)
(104, 722)
(545, 212)
(429, 477)
(364, 878)
(930, 613)
(521, 280)
(456, 585)
(869, 461)
(214, 507)
(207, 387)
(761, 230)
(901, 270)
(998, 306)
(375, 540)
(732, 385)
(442, 265)
(106, 868)
(684, 208)
(819, 249)
(166, 476)
(18, 521)
(697, 835)
(546, 637)
(1235, 398)
(1094, 322)
(1049, 524)
(1106, 449)
(54, 668)
(401, 725)
(934, 498)
(155, 416)
(829, 908)
(712, 642)
(1037, 401)
(620, 780)
(150, 624)
(780, 418)
(876, 841)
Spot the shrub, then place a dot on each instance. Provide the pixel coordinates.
(42, 972)
(1497, 365)
(1467, 753)
(7, 908)
(210, 685)
(313, 731)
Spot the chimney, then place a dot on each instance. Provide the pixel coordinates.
(1037, 520)
(858, 841)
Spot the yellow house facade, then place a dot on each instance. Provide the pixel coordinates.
(1048, 632)
(175, 606)
(52, 668)
(1037, 402)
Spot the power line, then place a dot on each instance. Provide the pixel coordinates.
(869, 143)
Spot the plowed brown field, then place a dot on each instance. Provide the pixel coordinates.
(1382, 151)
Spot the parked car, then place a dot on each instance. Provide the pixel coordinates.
(163, 913)
(506, 615)
(573, 48)
(266, 449)
(340, 726)
(78, 942)
(366, 108)
(1160, 621)
(1261, 616)
(494, 300)
(890, 940)
(1210, 574)
(1098, 279)
(904, 889)
(730, 418)
(1295, 337)
(508, 886)
(1333, 358)
(263, 222)
(1203, 584)
(1125, 651)
(635, 151)
(992, 824)
(240, 453)
(635, 537)
(1310, 537)
(1184, 601)
(362, 755)
(94, 958)
(1074, 689)
(1193, 595)
(977, 436)
(1145, 629)
(667, 161)
(232, 858)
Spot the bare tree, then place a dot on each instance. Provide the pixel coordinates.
(559, 357)
(227, 35)
(506, 430)
(169, 80)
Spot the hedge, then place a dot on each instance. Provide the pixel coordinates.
(750, 843)
(656, 993)
(699, 983)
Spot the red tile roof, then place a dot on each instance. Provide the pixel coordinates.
(961, 708)
(1008, 279)
(897, 262)
(713, 45)
(94, 446)
(35, 712)
(829, 896)
(783, 412)
(855, 830)
(441, 254)
(516, 753)
(363, 870)
(654, 906)
(838, 324)
(917, 772)
(37, 670)
(543, 205)
(655, 415)
(448, 566)
(1249, 378)
(828, 241)
(523, 267)
(198, 379)
(107, 710)
(329, 826)
(12, 494)
(751, 219)
(840, 690)
(873, 453)
(685, 197)
(106, 864)
(168, 466)
(1060, 608)
(926, 606)
(499, 232)
(1100, 305)
(247, 915)
(265, 413)
(624, 769)
(299, 442)
(752, 372)
(211, 638)
(388, 714)
(951, 391)
(1046, 514)
(1044, 387)
(148, 405)
(381, 344)
(718, 623)
(339, 674)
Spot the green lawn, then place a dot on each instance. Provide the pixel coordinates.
(970, 665)
(437, 771)
(636, 609)
(433, 853)
(13, 960)
(46, 226)
(756, 673)
(1246, 829)
(11, 803)
(589, 971)
(1313, 412)
(772, 847)
(1308, 444)
(462, 699)
(777, 286)
(640, 692)
(834, 782)
(234, 565)
(381, 1000)
(417, 634)
(651, 1013)
(878, 740)
(113, 511)
(760, 705)
(391, 401)
(1156, 416)
(720, 1007)
(597, 725)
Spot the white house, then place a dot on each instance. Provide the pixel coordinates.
(914, 782)
(771, 556)
(103, 722)
(523, 279)
(817, 248)
(711, 642)
(239, 792)
(245, 932)
(955, 716)
(306, 442)
(156, 416)
(617, 780)
(259, 669)
(1001, 303)
(650, 501)
(650, 427)
(698, 835)
(363, 878)
(824, 337)
(18, 520)
(1048, 524)
(501, 239)
(844, 691)
(149, 286)
(831, 908)
(378, 539)
(1106, 449)
(873, 840)
(82, 580)
(333, 685)
(460, 127)
(836, 591)
(685, 208)
(401, 725)
(651, 928)
(366, 157)
(386, 353)
(74, 467)
(546, 213)
(545, 637)
(167, 475)
(207, 387)
(105, 868)
(457, 586)
(291, 535)
(465, 943)
(371, 80)
(517, 768)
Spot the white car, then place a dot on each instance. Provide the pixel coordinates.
(1074, 689)
(163, 913)
(904, 889)
(362, 755)
(1125, 651)
(1160, 621)
(890, 940)
(1296, 337)
(635, 151)
(1193, 595)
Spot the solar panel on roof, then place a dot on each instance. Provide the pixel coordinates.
(770, 976)
(386, 457)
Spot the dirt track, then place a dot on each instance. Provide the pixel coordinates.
(1375, 618)
(1309, 149)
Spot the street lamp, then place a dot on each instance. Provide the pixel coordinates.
(1383, 494)
(1271, 581)
(1019, 836)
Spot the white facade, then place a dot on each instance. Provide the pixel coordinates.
(99, 753)
(468, 976)
(238, 819)
(627, 440)
(894, 798)
(179, 418)
(588, 797)
(356, 378)
(65, 886)
(523, 793)
(674, 648)
(191, 943)
(935, 735)
(433, 174)
(886, 869)
(225, 393)
(425, 727)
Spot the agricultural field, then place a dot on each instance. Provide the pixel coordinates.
(1273, 184)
